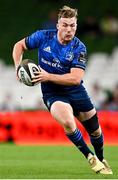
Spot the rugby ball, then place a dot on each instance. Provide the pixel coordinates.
(26, 70)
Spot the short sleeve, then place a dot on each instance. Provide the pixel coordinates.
(34, 40)
(80, 57)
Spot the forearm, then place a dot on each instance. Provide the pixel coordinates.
(72, 78)
(18, 51)
(66, 79)
(17, 55)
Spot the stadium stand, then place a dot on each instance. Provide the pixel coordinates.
(103, 69)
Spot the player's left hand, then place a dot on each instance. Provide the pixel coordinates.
(41, 76)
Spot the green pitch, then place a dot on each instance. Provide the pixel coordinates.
(50, 162)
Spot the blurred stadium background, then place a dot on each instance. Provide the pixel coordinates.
(24, 118)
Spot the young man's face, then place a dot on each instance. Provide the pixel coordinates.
(66, 29)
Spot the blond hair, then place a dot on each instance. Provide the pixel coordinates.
(67, 12)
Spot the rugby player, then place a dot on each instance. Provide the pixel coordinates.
(62, 58)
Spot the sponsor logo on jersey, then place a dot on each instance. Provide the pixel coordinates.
(53, 64)
(47, 49)
(82, 57)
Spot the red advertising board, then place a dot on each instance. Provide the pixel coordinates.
(39, 127)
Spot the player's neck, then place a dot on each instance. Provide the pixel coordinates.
(62, 41)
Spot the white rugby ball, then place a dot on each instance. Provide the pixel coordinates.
(26, 71)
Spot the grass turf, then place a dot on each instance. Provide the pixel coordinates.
(50, 162)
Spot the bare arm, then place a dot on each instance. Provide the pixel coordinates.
(69, 79)
(72, 78)
(18, 51)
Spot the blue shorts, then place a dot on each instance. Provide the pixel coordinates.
(79, 101)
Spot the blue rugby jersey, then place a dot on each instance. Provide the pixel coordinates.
(57, 58)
